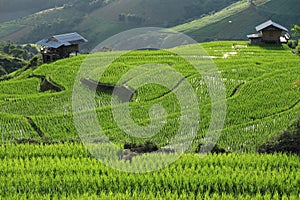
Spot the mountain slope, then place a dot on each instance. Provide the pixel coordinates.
(241, 19)
(98, 23)
(13, 9)
(160, 13)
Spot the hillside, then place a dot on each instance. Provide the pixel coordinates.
(13, 9)
(203, 21)
(29, 21)
(262, 93)
(159, 13)
(240, 19)
(98, 21)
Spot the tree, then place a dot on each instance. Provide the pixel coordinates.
(294, 43)
(296, 31)
(16, 52)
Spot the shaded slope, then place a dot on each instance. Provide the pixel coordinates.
(13, 9)
(237, 21)
(97, 24)
(160, 13)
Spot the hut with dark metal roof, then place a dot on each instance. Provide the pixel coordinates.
(60, 46)
(269, 32)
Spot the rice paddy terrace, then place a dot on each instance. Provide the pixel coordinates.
(262, 94)
(262, 98)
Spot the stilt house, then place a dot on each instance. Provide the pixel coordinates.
(60, 46)
(269, 32)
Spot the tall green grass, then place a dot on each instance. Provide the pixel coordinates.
(66, 171)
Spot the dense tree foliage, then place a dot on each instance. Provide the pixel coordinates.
(13, 56)
(294, 44)
(296, 31)
(25, 52)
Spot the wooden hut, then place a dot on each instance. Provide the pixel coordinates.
(60, 46)
(269, 32)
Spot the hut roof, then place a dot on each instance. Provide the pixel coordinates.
(268, 24)
(62, 40)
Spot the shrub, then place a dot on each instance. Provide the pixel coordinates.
(288, 141)
(210, 148)
(297, 50)
(148, 147)
(293, 44)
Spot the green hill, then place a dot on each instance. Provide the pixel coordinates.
(262, 89)
(100, 21)
(240, 19)
(202, 20)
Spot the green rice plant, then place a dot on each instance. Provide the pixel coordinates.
(67, 170)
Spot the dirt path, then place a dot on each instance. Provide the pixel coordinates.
(16, 35)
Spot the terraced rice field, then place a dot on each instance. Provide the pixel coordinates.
(262, 99)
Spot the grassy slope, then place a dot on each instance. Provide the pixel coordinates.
(9, 28)
(103, 23)
(200, 23)
(155, 12)
(244, 18)
(97, 30)
(260, 98)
